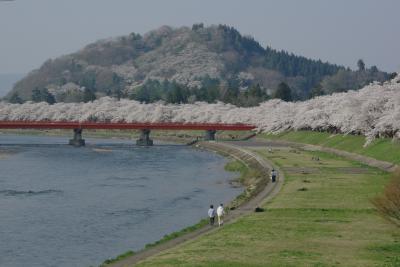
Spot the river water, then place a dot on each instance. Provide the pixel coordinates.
(66, 206)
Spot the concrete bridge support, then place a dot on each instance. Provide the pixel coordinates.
(210, 135)
(144, 139)
(77, 141)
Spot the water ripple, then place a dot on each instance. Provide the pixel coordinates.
(116, 178)
(29, 192)
(131, 211)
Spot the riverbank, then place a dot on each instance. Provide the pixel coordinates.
(258, 189)
(321, 217)
(4, 154)
(253, 175)
(136, 186)
(323, 213)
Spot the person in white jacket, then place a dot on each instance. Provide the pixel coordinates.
(220, 214)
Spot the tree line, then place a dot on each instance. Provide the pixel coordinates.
(232, 92)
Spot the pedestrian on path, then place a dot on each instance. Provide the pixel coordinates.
(211, 214)
(220, 214)
(273, 175)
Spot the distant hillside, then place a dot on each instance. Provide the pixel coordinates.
(183, 65)
(7, 82)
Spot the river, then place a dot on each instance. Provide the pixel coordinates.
(65, 206)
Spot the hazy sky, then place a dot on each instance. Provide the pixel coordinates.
(339, 31)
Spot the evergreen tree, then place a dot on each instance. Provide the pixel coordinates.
(197, 26)
(88, 95)
(36, 95)
(283, 92)
(317, 91)
(177, 93)
(142, 95)
(256, 91)
(392, 75)
(89, 81)
(43, 95)
(15, 99)
(374, 69)
(48, 97)
(360, 65)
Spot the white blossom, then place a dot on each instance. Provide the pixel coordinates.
(373, 111)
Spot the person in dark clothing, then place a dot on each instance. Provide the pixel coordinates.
(211, 214)
(273, 175)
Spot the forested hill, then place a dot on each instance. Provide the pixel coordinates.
(185, 65)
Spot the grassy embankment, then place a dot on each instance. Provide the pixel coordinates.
(323, 216)
(251, 177)
(382, 149)
(166, 238)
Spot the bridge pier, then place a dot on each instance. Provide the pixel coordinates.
(210, 135)
(144, 139)
(77, 141)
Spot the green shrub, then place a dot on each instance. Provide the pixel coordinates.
(388, 204)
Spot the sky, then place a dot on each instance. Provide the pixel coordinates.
(340, 31)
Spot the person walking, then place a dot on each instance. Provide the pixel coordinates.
(220, 214)
(273, 175)
(211, 214)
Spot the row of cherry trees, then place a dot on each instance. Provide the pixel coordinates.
(373, 111)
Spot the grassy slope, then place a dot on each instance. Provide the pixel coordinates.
(382, 149)
(322, 217)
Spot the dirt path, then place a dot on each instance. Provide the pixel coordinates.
(266, 194)
(383, 165)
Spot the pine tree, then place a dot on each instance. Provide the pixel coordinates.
(88, 95)
(16, 99)
(256, 91)
(36, 95)
(283, 92)
(360, 65)
(48, 97)
(316, 91)
(43, 95)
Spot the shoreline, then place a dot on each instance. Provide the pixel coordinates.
(250, 190)
(238, 207)
(386, 166)
(4, 155)
(324, 204)
(257, 142)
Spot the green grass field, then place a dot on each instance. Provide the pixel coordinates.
(321, 217)
(382, 149)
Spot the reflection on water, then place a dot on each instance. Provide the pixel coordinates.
(66, 206)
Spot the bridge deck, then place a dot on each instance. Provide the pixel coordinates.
(122, 125)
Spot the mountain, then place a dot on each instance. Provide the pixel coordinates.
(185, 64)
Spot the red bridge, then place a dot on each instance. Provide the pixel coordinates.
(145, 128)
